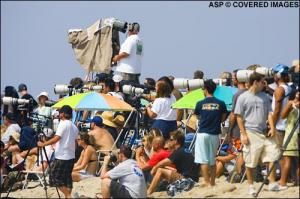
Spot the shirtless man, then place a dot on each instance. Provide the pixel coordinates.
(103, 139)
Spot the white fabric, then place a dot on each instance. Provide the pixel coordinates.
(49, 151)
(65, 147)
(12, 128)
(281, 123)
(162, 107)
(133, 46)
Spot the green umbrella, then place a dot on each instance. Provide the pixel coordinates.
(190, 100)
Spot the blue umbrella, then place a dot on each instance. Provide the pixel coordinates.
(225, 93)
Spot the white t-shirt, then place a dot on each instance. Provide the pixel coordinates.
(133, 46)
(162, 107)
(10, 129)
(65, 147)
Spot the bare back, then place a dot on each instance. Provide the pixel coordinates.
(103, 139)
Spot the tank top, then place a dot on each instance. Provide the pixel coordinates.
(281, 123)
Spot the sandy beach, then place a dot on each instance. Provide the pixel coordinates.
(89, 187)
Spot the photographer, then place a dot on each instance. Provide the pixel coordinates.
(126, 180)
(110, 87)
(130, 55)
(42, 109)
(62, 166)
(161, 111)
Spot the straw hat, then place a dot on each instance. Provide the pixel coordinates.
(109, 120)
(16, 136)
(193, 122)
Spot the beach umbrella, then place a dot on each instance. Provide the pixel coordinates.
(94, 101)
(189, 101)
(225, 93)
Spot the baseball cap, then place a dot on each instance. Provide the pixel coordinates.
(97, 120)
(280, 68)
(22, 87)
(66, 109)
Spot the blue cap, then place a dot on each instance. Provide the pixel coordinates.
(22, 87)
(280, 68)
(97, 120)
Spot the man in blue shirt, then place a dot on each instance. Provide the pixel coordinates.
(211, 113)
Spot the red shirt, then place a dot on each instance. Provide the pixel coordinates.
(158, 156)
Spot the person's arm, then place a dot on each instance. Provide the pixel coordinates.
(150, 113)
(226, 158)
(271, 132)
(120, 56)
(232, 121)
(53, 140)
(278, 95)
(244, 137)
(79, 161)
(162, 163)
(104, 169)
(86, 156)
(286, 110)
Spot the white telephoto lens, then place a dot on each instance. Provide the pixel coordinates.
(244, 75)
(61, 89)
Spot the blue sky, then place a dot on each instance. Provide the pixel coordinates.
(178, 37)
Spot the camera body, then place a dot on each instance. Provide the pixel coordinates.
(85, 127)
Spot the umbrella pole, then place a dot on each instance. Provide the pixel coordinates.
(122, 130)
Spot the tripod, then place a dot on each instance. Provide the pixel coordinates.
(40, 151)
(281, 154)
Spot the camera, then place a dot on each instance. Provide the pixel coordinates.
(50, 103)
(244, 75)
(39, 121)
(192, 84)
(85, 127)
(62, 89)
(14, 101)
(131, 90)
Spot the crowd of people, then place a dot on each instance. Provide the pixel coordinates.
(174, 152)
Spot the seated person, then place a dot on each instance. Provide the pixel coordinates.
(126, 180)
(87, 164)
(183, 161)
(144, 152)
(111, 122)
(103, 139)
(230, 158)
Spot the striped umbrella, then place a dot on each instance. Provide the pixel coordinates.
(94, 101)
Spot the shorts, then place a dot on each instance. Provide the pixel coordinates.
(61, 173)
(206, 148)
(118, 191)
(259, 148)
(165, 126)
(292, 148)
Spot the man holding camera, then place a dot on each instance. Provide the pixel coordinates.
(130, 56)
(126, 180)
(65, 138)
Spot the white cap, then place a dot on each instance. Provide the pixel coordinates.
(117, 78)
(43, 94)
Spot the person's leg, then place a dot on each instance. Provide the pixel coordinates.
(249, 174)
(285, 170)
(155, 181)
(272, 176)
(219, 168)
(160, 174)
(105, 184)
(66, 191)
(212, 175)
(205, 173)
(76, 176)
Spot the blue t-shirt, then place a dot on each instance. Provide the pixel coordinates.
(210, 111)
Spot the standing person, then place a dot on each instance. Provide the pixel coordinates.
(253, 109)
(130, 55)
(126, 180)
(291, 112)
(211, 112)
(279, 101)
(65, 138)
(234, 130)
(161, 110)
